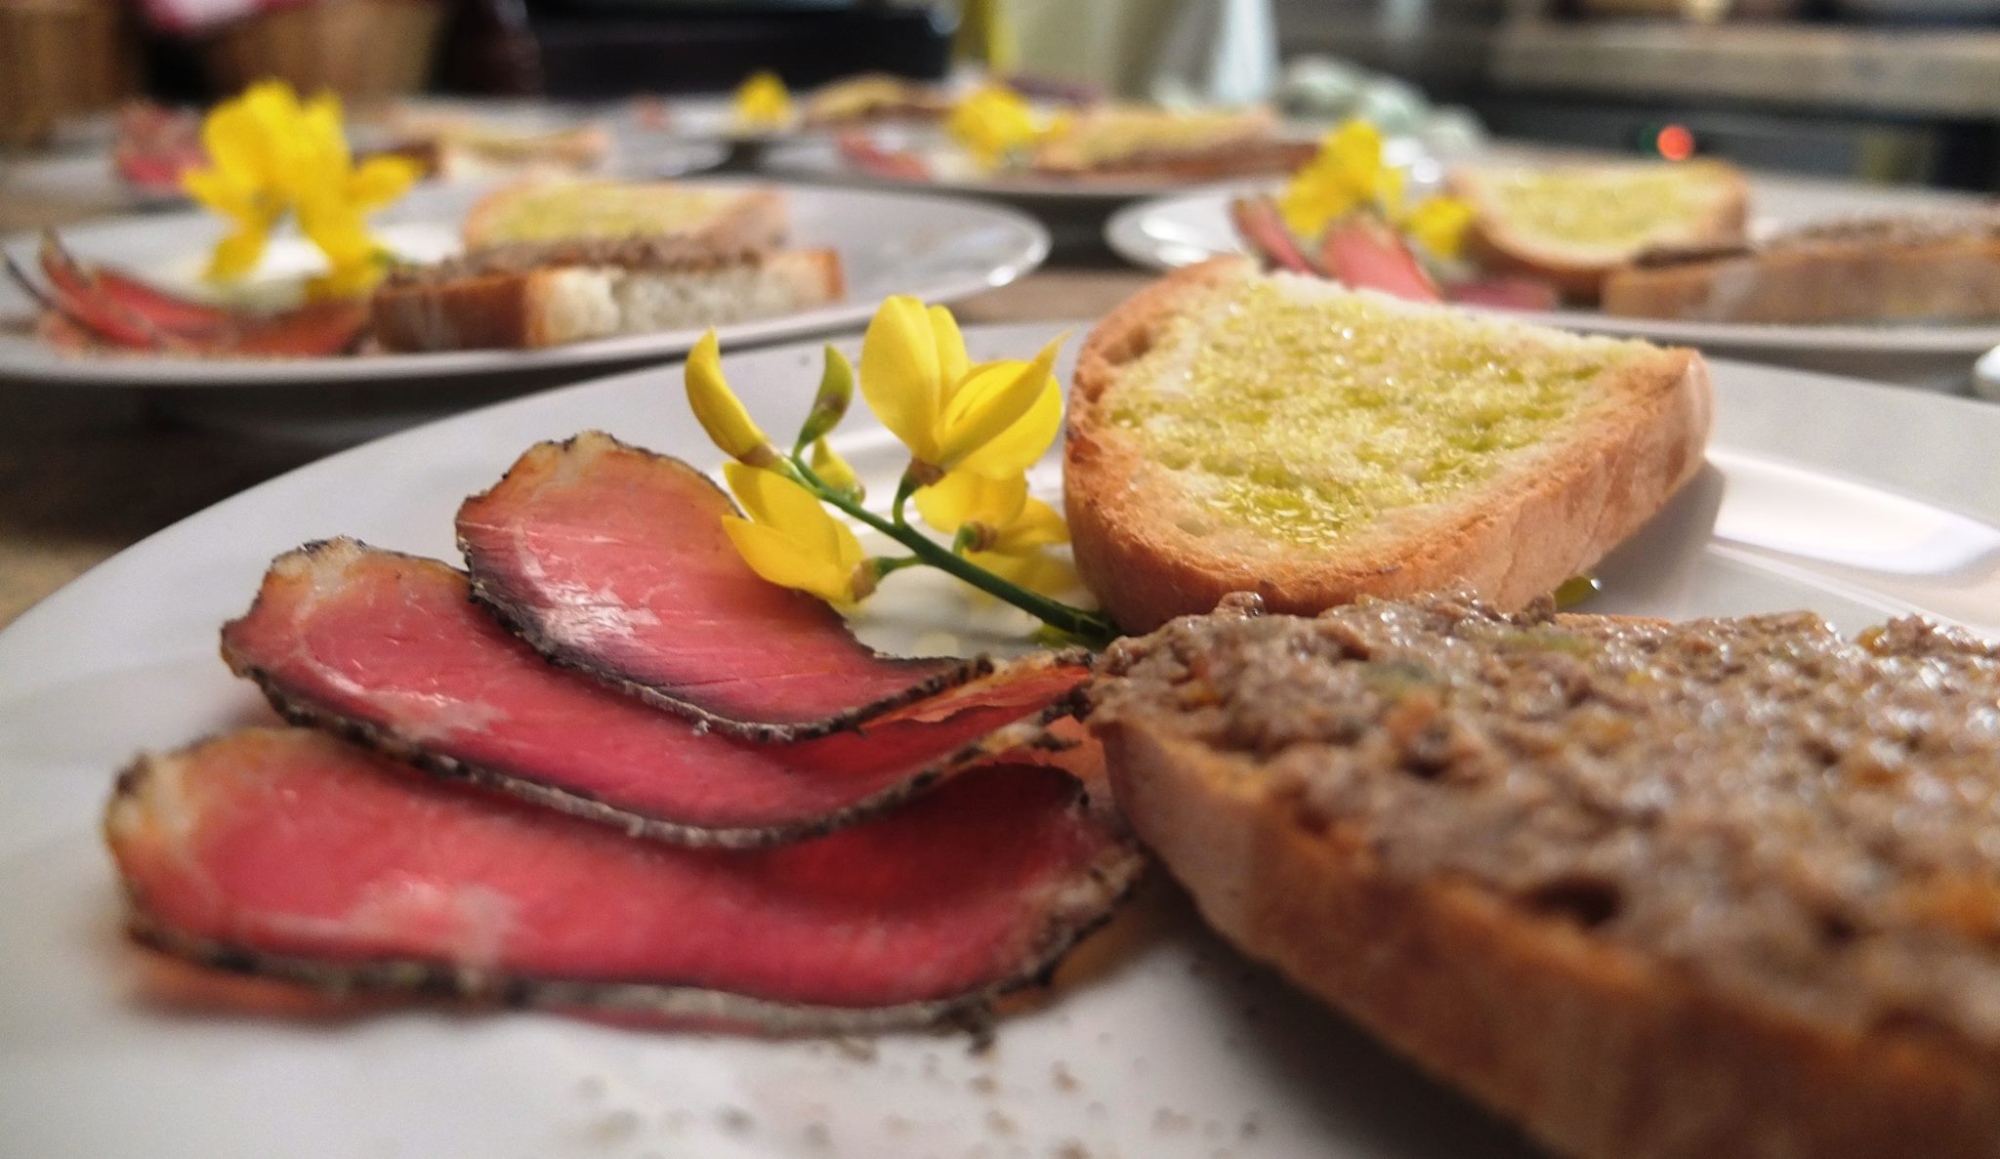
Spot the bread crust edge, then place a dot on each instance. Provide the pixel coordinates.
(1597, 1050)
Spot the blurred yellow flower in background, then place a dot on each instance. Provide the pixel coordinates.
(762, 102)
(1349, 174)
(1346, 175)
(993, 122)
(270, 155)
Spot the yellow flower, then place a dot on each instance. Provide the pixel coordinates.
(1438, 224)
(269, 155)
(835, 472)
(762, 102)
(1004, 531)
(719, 411)
(790, 539)
(993, 122)
(1347, 174)
(919, 381)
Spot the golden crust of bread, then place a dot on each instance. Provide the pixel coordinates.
(1598, 1050)
(1514, 537)
(1497, 244)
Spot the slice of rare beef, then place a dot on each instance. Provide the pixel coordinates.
(388, 650)
(612, 560)
(290, 853)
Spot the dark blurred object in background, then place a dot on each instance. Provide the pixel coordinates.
(59, 58)
(613, 48)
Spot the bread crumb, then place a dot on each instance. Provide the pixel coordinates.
(735, 1120)
(1251, 1127)
(858, 1049)
(1168, 1119)
(1071, 1149)
(896, 1125)
(999, 1124)
(818, 1136)
(984, 1084)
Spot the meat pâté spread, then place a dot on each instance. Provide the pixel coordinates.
(1802, 821)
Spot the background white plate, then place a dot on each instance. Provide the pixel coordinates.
(1161, 1043)
(940, 249)
(1180, 230)
(955, 172)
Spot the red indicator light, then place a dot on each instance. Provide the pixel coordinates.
(1675, 143)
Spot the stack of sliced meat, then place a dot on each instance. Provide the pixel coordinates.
(720, 809)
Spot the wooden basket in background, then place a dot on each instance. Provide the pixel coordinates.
(59, 58)
(362, 49)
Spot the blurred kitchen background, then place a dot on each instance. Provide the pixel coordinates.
(1882, 90)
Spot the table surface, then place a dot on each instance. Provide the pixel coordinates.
(86, 473)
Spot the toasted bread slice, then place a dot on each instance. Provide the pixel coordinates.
(1673, 891)
(1573, 225)
(872, 98)
(558, 212)
(1918, 269)
(1135, 141)
(1231, 431)
(456, 307)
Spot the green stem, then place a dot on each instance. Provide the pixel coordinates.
(888, 565)
(905, 487)
(1094, 629)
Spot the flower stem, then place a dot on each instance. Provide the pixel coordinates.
(1093, 629)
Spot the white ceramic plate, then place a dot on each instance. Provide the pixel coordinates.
(941, 249)
(954, 171)
(1160, 1042)
(81, 173)
(1186, 228)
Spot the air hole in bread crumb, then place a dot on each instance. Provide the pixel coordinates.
(1588, 901)
(1836, 929)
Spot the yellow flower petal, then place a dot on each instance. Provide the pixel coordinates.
(991, 123)
(716, 407)
(762, 101)
(992, 398)
(1347, 174)
(961, 498)
(1022, 445)
(773, 501)
(1035, 526)
(834, 471)
(381, 180)
(777, 558)
(953, 362)
(238, 253)
(1041, 571)
(900, 375)
(271, 155)
(1439, 224)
